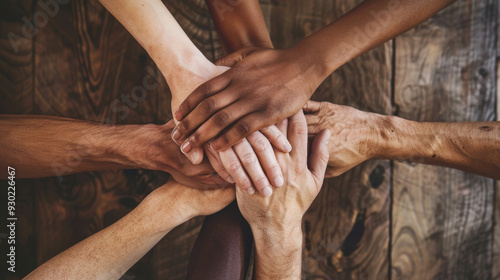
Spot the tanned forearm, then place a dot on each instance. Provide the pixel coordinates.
(469, 146)
(370, 24)
(239, 24)
(41, 146)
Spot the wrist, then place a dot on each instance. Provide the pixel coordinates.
(308, 64)
(404, 140)
(108, 144)
(150, 147)
(282, 237)
(164, 208)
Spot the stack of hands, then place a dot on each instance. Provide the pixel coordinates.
(239, 132)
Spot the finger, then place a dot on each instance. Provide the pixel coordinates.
(207, 109)
(217, 165)
(201, 93)
(234, 167)
(241, 129)
(297, 135)
(251, 163)
(194, 155)
(311, 107)
(267, 158)
(170, 124)
(277, 139)
(318, 159)
(283, 127)
(230, 60)
(214, 126)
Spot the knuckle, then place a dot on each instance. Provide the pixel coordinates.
(221, 119)
(299, 129)
(261, 144)
(275, 169)
(233, 166)
(249, 159)
(245, 183)
(224, 139)
(208, 106)
(262, 181)
(243, 128)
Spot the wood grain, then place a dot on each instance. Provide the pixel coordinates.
(442, 218)
(84, 62)
(16, 97)
(496, 229)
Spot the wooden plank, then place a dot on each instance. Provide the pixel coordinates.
(496, 229)
(16, 51)
(16, 97)
(85, 61)
(347, 228)
(442, 218)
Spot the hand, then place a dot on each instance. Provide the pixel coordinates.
(182, 203)
(241, 162)
(153, 149)
(242, 165)
(355, 134)
(265, 87)
(289, 203)
(276, 221)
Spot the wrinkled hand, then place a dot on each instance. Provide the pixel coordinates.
(303, 180)
(354, 134)
(263, 88)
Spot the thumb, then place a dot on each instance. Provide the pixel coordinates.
(318, 159)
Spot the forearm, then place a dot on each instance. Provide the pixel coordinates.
(278, 253)
(39, 146)
(369, 24)
(154, 27)
(469, 146)
(109, 253)
(239, 24)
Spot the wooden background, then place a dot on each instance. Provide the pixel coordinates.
(381, 220)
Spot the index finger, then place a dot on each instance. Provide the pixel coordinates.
(297, 135)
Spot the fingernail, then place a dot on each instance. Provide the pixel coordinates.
(267, 191)
(328, 135)
(176, 135)
(287, 147)
(193, 156)
(210, 145)
(186, 147)
(278, 181)
(230, 179)
(250, 190)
